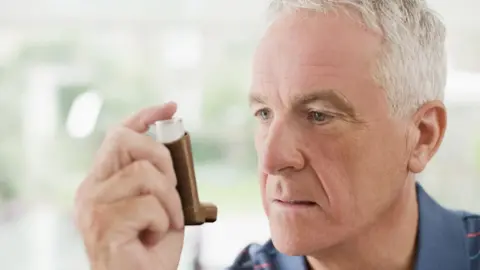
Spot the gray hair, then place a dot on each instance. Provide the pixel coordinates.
(413, 67)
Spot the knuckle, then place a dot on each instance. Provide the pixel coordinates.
(97, 226)
(163, 223)
(143, 167)
(148, 204)
(166, 157)
(116, 135)
(145, 180)
(163, 152)
(143, 175)
(91, 218)
(93, 222)
(150, 201)
(151, 204)
(82, 196)
(165, 185)
(80, 193)
(78, 214)
(158, 184)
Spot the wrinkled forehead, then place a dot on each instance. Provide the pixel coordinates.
(303, 49)
(309, 38)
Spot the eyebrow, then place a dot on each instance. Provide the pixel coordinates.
(337, 100)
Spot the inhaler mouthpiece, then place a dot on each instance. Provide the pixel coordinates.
(168, 131)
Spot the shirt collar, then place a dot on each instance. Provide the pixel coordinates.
(441, 241)
(282, 261)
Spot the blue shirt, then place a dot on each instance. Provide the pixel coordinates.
(447, 240)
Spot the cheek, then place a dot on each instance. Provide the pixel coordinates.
(333, 155)
(357, 171)
(332, 160)
(259, 136)
(341, 161)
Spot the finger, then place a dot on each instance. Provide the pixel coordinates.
(138, 179)
(129, 217)
(146, 117)
(123, 147)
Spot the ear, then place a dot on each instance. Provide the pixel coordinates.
(430, 123)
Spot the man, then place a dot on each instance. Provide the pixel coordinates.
(348, 99)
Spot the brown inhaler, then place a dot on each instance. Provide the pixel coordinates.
(173, 135)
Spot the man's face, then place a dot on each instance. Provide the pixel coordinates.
(332, 159)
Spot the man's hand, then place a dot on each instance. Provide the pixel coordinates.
(127, 209)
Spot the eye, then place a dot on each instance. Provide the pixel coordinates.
(263, 114)
(319, 117)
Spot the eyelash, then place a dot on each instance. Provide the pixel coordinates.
(257, 113)
(328, 116)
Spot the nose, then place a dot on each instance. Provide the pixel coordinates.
(281, 150)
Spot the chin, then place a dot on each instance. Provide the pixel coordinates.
(291, 248)
(299, 240)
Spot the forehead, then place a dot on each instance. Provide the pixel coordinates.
(306, 50)
(319, 37)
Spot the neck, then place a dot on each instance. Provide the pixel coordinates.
(389, 243)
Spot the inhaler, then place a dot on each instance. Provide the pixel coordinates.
(173, 135)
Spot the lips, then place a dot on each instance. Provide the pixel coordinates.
(296, 202)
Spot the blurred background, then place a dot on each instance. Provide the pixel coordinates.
(71, 69)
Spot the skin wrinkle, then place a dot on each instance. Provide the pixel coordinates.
(360, 170)
(400, 25)
(334, 101)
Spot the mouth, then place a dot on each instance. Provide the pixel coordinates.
(295, 203)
